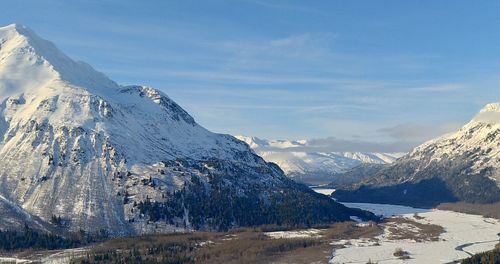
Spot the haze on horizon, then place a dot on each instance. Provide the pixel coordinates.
(373, 76)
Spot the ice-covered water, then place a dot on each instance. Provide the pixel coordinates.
(464, 235)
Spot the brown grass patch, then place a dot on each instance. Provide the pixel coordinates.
(247, 245)
(404, 228)
(486, 210)
(243, 246)
(350, 230)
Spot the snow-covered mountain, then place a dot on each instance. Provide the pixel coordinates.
(312, 166)
(125, 159)
(464, 165)
(479, 139)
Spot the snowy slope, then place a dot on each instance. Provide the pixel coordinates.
(464, 165)
(308, 165)
(480, 138)
(75, 144)
(15, 217)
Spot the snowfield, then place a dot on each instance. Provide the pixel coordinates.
(312, 233)
(464, 235)
(325, 191)
(13, 260)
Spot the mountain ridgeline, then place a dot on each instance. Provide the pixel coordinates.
(461, 166)
(304, 162)
(77, 147)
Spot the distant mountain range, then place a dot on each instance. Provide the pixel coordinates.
(302, 164)
(77, 147)
(460, 166)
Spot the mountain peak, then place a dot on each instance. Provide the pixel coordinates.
(460, 166)
(18, 29)
(75, 144)
(30, 62)
(10, 27)
(490, 114)
(492, 107)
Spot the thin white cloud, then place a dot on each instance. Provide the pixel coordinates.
(283, 5)
(332, 144)
(446, 87)
(419, 132)
(404, 138)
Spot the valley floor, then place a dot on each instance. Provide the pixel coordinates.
(422, 235)
(463, 235)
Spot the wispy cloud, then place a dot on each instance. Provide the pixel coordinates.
(419, 132)
(401, 138)
(286, 68)
(287, 5)
(332, 144)
(446, 87)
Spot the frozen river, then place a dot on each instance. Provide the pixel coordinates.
(464, 234)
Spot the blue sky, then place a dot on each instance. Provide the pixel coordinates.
(390, 74)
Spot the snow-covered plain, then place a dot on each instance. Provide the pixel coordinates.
(294, 233)
(13, 260)
(464, 235)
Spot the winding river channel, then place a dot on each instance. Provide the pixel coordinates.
(463, 236)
